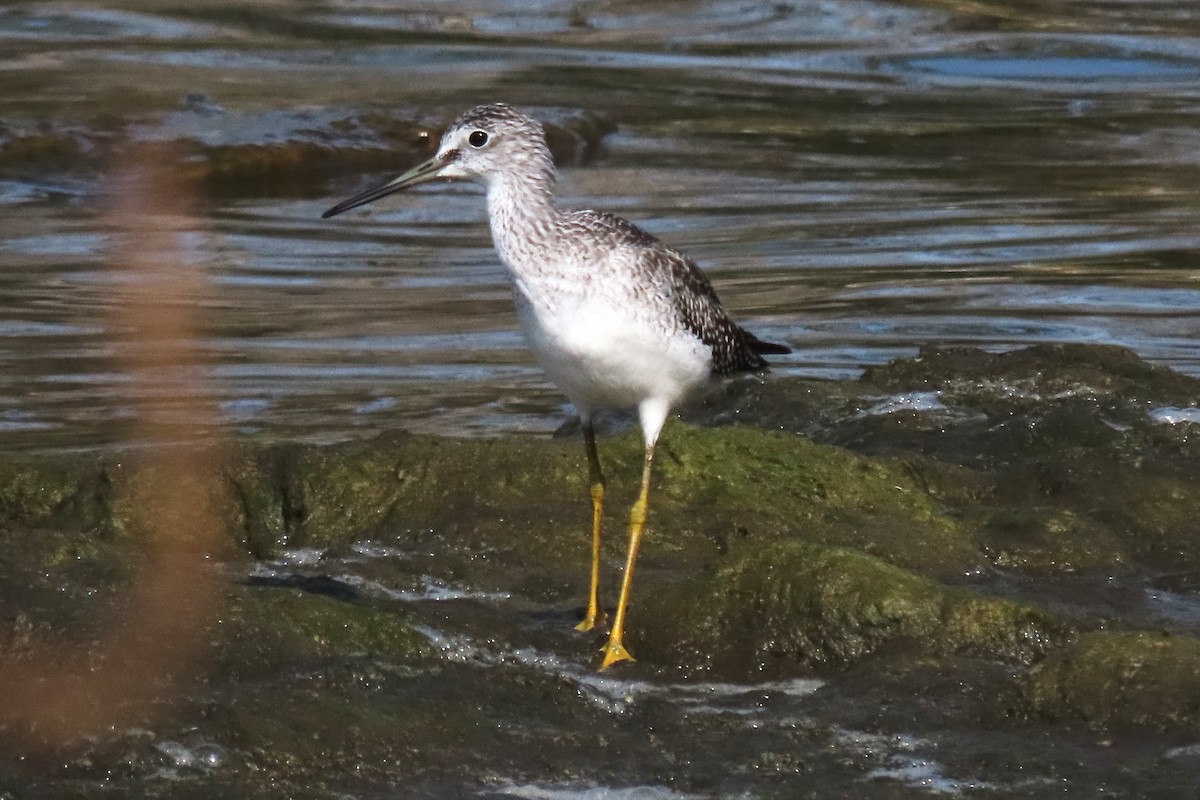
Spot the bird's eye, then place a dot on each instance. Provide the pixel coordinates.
(478, 138)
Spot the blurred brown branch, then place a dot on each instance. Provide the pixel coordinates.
(58, 693)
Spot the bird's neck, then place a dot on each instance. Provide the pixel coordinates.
(523, 217)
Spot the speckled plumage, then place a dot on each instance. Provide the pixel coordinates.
(665, 269)
(616, 318)
(581, 260)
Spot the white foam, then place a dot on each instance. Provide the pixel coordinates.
(299, 557)
(1170, 415)
(200, 757)
(431, 589)
(458, 649)
(617, 695)
(369, 549)
(531, 791)
(909, 401)
(900, 759)
(795, 687)
(1186, 751)
(925, 774)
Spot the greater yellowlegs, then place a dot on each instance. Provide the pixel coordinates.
(617, 319)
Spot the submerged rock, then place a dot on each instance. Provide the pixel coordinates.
(229, 152)
(1034, 374)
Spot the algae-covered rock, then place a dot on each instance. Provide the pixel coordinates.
(780, 483)
(261, 628)
(1048, 539)
(799, 607)
(1032, 374)
(1064, 406)
(39, 490)
(1143, 679)
(996, 628)
(398, 484)
(1159, 517)
(767, 555)
(531, 496)
(159, 496)
(748, 468)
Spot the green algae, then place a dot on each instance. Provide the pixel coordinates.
(1143, 679)
(334, 495)
(745, 468)
(1159, 517)
(994, 628)
(1047, 539)
(36, 490)
(265, 627)
(800, 606)
(766, 554)
(531, 496)
(770, 484)
(1030, 375)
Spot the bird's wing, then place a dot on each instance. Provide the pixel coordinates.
(690, 293)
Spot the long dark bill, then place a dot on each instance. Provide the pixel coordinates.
(422, 173)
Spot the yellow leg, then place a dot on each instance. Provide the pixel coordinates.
(615, 650)
(596, 478)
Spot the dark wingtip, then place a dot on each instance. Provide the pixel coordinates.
(759, 347)
(331, 212)
(770, 348)
(748, 357)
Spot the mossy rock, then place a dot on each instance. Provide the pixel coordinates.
(797, 607)
(166, 498)
(1049, 540)
(779, 483)
(532, 495)
(1160, 518)
(740, 467)
(1141, 679)
(38, 490)
(970, 375)
(263, 628)
(322, 496)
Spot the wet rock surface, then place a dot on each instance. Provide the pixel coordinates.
(250, 153)
(994, 584)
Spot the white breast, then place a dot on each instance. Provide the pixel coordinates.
(603, 355)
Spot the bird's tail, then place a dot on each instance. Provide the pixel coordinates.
(759, 347)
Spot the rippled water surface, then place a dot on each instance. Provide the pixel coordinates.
(857, 178)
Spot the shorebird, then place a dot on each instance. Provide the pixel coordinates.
(616, 318)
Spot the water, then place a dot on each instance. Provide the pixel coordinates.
(857, 178)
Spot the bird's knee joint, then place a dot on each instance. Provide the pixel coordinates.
(597, 490)
(637, 515)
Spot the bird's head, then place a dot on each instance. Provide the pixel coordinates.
(483, 145)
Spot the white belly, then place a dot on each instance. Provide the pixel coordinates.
(602, 357)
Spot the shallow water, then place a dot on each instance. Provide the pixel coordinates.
(857, 178)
